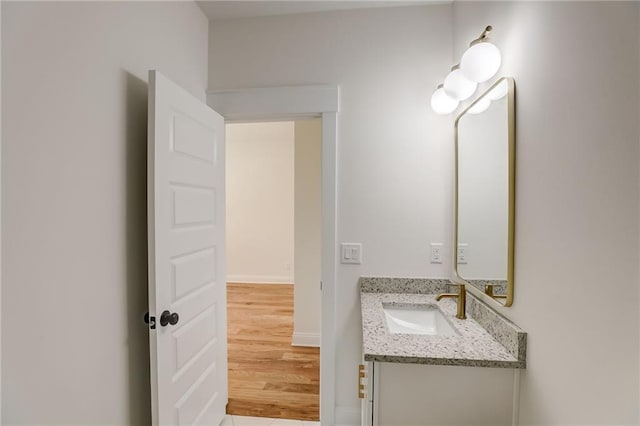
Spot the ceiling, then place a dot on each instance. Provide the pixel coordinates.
(217, 10)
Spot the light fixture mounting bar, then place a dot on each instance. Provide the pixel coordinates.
(483, 37)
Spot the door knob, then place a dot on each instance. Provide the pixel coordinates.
(169, 318)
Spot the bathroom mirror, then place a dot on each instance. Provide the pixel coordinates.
(485, 190)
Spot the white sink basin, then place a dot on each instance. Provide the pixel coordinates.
(417, 319)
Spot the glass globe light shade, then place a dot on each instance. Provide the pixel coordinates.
(442, 103)
(499, 91)
(457, 86)
(480, 106)
(481, 61)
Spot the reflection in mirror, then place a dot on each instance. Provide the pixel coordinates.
(485, 159)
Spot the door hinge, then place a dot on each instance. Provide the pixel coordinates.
(150, 320)
(321, 285)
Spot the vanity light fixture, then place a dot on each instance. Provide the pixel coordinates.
(495, 94)
(482, 59)
(442, 103)
(457, 86)
(479, 63)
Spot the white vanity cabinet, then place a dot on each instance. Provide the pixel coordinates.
(397, 394)
(464, 378)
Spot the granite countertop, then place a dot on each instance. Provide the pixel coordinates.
(484, 339)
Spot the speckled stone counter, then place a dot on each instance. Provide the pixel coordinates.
(484, 339)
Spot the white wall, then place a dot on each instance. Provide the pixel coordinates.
(575, 66)
(75, 349)
(260, 193)
(308, 232)
(395, 157)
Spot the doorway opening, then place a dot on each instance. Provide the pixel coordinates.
(296, 102)
(274, 246)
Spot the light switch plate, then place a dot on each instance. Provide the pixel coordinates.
(351, 253)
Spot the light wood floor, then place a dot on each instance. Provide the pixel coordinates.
(267, 376)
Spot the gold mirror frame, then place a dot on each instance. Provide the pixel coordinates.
(488, 293)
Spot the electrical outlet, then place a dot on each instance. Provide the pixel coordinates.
(463, 254)
(436, 253)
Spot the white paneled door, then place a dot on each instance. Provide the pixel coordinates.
(187, 299)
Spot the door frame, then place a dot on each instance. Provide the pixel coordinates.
(291, 103)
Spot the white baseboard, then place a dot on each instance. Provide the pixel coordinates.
(348, 416)
(305, 339)
(260, 279)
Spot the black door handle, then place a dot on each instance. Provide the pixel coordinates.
(169, 318)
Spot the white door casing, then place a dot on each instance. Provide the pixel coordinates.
(186, 217)
(291, 103)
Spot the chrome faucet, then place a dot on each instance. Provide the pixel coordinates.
(461, 295)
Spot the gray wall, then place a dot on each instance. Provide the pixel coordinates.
(74, 347)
